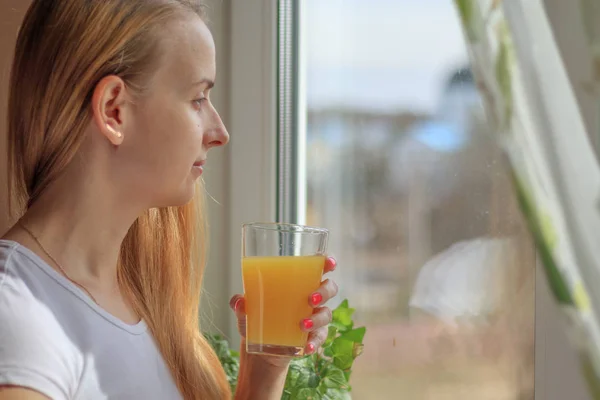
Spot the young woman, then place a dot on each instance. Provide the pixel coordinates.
(109, 126)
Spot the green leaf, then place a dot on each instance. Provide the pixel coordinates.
(299, 378)
(313, 381)
(322, 364)
(335, 394)
(343, 362)
(342, 317)
(343, 353)
(355, 335)
(302, 362)
(301, 374)
(338, 326)
(328, 351)
(333, 378)
(347, 374)
(308, 394)
(293, 377)
(332, 332)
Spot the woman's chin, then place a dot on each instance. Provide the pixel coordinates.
(179, 199)
(184, 199)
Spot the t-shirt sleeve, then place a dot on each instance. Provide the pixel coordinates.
(35, 353)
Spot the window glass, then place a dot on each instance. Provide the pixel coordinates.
(402, 168)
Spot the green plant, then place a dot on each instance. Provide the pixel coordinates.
(321, 376)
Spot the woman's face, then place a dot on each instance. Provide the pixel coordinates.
(169, 130)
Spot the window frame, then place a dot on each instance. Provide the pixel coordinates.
(253, 128)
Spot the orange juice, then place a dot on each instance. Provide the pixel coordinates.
(277, 291)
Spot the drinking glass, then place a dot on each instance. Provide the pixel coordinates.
(282, 265)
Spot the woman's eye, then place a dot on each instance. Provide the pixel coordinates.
(198, 102)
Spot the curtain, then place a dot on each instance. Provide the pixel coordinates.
(544, 112)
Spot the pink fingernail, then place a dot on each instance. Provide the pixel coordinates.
(236, 305)
(316, 299)
(307, 324)
(310, 348)
(333, 263)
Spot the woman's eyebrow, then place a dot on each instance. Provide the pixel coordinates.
(208, 82)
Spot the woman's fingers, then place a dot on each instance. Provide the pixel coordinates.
(328, 288)
(326, 291)
(321, 317)
(238, 305)
(330, 264)
(315, 340)
(316, 325)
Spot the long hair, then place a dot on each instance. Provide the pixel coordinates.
(64, 48)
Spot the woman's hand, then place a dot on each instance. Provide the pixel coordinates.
(316, 325)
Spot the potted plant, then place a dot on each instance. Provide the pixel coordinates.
(324, 375)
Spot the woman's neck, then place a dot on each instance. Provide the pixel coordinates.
(81, 224)
(80, 236)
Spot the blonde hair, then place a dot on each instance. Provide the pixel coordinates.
(74, 44)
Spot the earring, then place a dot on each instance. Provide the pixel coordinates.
(118, 134)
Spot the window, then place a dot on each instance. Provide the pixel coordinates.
(383, 140)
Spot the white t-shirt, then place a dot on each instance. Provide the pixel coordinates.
(56, 340)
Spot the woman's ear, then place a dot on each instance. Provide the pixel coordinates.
(108, 108)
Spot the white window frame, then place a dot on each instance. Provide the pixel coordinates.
(252, 127)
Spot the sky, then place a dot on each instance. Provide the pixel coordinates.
(386, 55)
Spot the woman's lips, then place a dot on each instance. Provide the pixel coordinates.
(198, 167)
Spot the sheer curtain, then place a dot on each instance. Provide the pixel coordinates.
(540, 81)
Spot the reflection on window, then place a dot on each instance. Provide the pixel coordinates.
(403, 170)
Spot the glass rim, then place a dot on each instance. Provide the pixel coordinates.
(287, 227)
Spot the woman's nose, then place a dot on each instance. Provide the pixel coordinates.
(217, 135)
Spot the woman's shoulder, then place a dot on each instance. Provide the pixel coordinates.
(23, 291)
(7, 248)
(15, 276)
(24, 274)
(35, 351)
(12, 286)
(22, 313)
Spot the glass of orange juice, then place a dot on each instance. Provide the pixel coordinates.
(282, 265)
